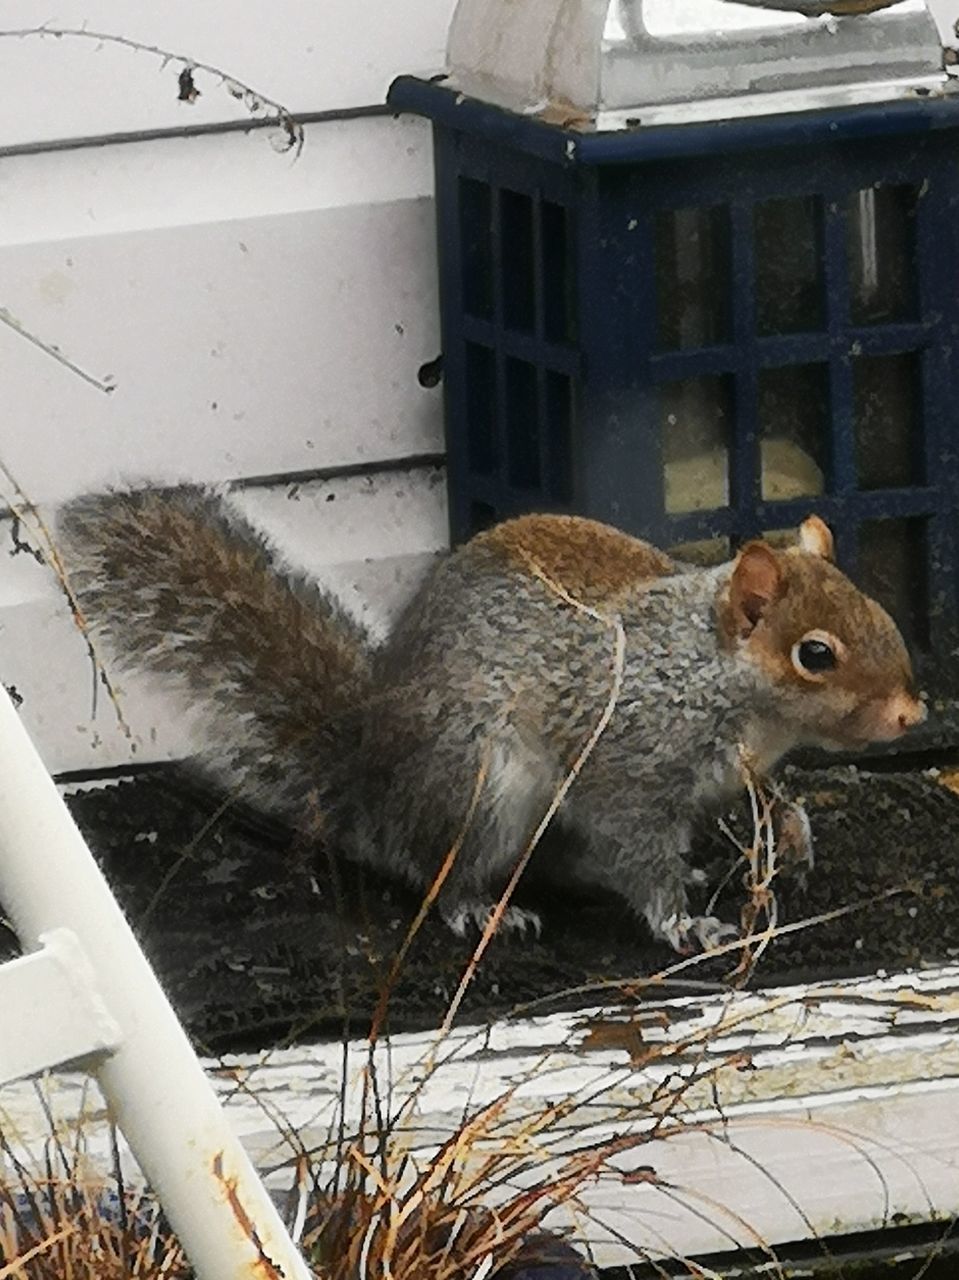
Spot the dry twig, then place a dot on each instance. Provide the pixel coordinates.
(29, 515)
(7, 317)
(259, 105)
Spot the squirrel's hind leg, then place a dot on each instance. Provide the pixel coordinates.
(515, 797)
(480, 804)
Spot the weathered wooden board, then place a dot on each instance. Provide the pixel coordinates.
(810, 1111)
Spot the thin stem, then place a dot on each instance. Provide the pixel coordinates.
(106, 385)
(254, 101)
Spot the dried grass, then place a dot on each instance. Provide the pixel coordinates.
(64, 1218)
(386, 1205)
(475, 1205)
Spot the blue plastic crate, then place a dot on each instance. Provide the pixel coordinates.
(701, 333)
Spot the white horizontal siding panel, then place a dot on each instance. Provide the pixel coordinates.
(258, 316)
(852, 1165)
(309, 56)
(66, 709)
(175, 182)
(369, 539)
(363, 518)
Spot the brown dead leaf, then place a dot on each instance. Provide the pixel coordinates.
(626, 1035)
(565, 116)
(949, 778)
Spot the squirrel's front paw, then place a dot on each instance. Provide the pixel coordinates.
(681, 931)
(478, 914)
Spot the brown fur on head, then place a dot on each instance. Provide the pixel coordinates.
(832, 658)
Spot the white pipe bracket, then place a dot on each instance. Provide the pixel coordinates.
(52, 1013)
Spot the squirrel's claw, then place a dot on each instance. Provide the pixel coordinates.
(458, 921)
(712, 932)
(708, 931)
(515, 919)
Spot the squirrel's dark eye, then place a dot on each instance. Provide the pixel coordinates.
(815, 656)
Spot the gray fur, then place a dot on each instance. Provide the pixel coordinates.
(278, 669)
(479, 673)
(683, 708)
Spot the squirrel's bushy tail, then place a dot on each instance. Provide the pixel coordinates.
(177, 583)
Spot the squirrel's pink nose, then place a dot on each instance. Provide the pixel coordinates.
(906, 711)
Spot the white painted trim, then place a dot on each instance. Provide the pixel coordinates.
(849, 1107)
(757, 105)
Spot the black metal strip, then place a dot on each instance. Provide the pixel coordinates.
(214, 128)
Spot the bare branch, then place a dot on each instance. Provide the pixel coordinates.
(28, 515)
(105, 385)
(256, 103)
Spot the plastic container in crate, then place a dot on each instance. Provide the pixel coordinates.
(703, 319)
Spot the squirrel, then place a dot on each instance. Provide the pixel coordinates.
(459, 727)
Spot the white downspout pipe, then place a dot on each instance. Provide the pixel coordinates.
(156, 1088)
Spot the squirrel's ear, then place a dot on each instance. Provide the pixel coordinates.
(756, 583)
(815, 537)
